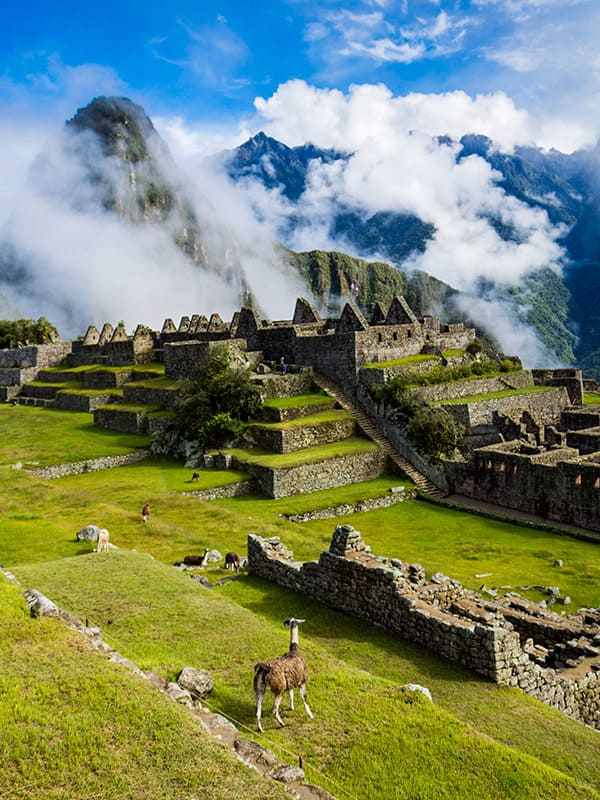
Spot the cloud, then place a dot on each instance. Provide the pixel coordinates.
(397, 163)
(84, 264)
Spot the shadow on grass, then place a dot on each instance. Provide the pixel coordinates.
(274, 604)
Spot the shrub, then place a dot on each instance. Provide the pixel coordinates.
(219, 429)
(434, 432)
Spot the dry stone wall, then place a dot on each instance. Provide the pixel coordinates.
(438, 614)
(89, 465)
(297, 437)
(312, 477)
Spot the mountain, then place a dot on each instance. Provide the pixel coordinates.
(562, 308)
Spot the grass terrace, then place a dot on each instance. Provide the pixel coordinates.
(264, 458)
(299, 401)
(591, 399)
(478, 398)
(334, 415)
(406, 361)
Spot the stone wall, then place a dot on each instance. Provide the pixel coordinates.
(269, 414)
(545, 408)
(89, 465)
(120, 419)
(149, 395)
(297, 437)
(77, 401)
(314, 476)
(556, 484)
(474, 386)
(571, 379)
(221, 492)
(40, 355)
(438, 614)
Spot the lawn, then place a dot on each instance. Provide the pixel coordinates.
(370, 738)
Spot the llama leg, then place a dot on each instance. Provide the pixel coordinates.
(276, 705)
(306, 706)
(291, 691)
(259, 700)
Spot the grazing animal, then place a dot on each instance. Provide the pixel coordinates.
(197, 561)
(285, 673)
(233, 560)
(146, 512)
(195, 476)
(103, 537)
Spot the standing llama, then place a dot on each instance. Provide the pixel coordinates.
(287, 672)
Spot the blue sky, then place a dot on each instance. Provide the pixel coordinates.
(206, 62)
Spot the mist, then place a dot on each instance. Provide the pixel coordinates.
(80, 264)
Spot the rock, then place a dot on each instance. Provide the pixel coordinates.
(558, 562)
(198, 682)
(256, 755)
(39, 605)
(214, 556)
(180, 695)
(415, 687)
(288, 774)
(88, 534)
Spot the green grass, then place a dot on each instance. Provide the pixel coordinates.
(76, 726)
(335, 415)
(406, 361)
(298, 401)
(452, 353)
(157, 383)
(350, 446)
(61, 385)
(591, 399)
(53, 436)
(442, 756)
(477, 398)
(94, 392)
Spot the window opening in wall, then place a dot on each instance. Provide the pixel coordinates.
(578, 480)
(502, 467)
(380, 337)
(395, 336)
(409, 332)
(489, 464)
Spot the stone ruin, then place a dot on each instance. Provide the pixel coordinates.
(510, 640)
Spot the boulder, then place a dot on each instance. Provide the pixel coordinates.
(88, 534)
(39, 605)
(198, 682)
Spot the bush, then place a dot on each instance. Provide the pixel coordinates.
(434, 433)
(213, 407)
(220, 429)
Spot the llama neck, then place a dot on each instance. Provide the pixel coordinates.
(294, 637)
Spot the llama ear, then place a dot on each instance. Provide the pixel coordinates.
(300, 620)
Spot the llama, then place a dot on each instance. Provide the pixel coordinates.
(287, 672)
(103, 537)
(233, 560)
(195, 477)
(196, 561)
(146, 513)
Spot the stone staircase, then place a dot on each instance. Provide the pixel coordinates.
(368, 427)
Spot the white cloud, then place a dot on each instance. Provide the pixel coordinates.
(396, 163)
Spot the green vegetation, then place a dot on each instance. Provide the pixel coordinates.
(591, 399)
(344, 447)
(477, 398)
(299, 400)
(16, 333)
(434, 432)
(76, 725)
(213, 407)
(335, 415)
(401, 362)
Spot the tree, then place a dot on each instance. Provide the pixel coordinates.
(434, 433)
(214, 407)
(16, 333)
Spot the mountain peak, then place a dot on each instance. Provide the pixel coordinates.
(123, 127)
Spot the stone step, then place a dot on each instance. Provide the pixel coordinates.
(369, 428)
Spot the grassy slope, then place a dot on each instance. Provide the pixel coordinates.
(75, 725)
(387, 747)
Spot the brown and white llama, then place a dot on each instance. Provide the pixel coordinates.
(285, 673)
